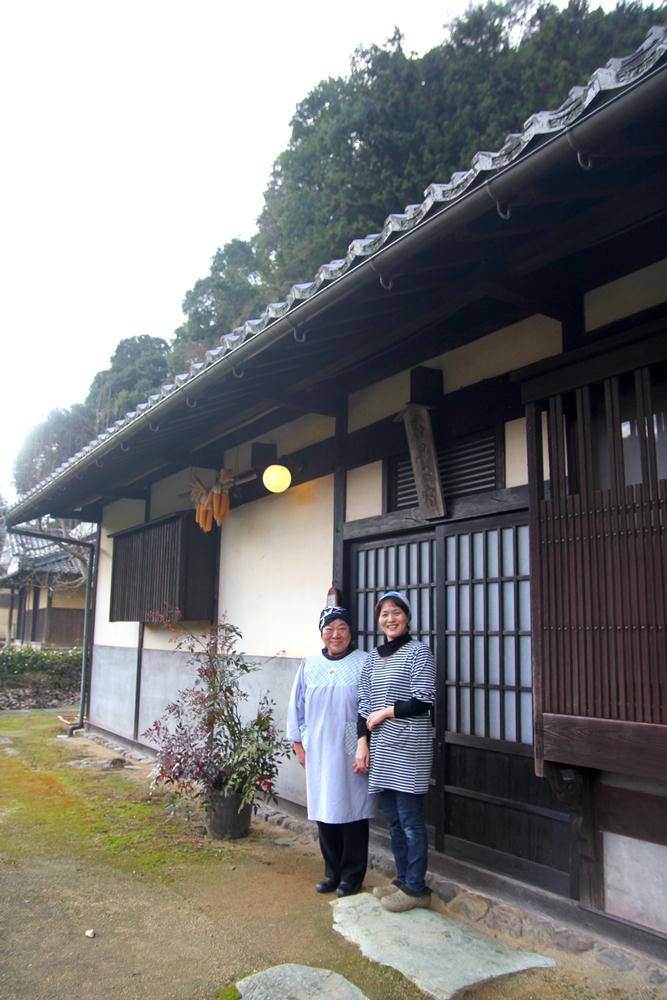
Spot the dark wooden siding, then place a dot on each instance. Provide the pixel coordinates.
(164, 569)
(599, 548)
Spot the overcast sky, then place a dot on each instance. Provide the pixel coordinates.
(138, 137)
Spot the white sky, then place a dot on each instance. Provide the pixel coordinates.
(138, 136)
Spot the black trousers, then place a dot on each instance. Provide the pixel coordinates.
(344, 847)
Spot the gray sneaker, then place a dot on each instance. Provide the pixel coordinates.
(380, 891)
(399, 901)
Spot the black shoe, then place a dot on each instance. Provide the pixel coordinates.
(347, 889)
(326, 885)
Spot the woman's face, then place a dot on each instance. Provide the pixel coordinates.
(393, 619)
(336, 637)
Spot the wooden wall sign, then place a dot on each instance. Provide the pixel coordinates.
(419, 432)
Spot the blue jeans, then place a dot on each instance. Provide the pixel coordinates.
(404, 816)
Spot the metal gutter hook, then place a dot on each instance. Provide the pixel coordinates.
(299, 335)
(585, 160)
(190, 403)
(504, 211)
(238, 372)
(153, 427)
(386, 283)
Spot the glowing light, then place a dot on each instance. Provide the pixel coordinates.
(276, 478)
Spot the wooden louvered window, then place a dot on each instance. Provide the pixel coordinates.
(165, 568)
(598, 505)
(467, 465)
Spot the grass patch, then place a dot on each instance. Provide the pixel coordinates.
(52, 809)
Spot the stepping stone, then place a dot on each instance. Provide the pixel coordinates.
(439, 955)
(297, 982)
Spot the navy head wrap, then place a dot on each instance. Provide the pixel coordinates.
(331, 614)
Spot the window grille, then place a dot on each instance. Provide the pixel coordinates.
(164, 569)
(487, 633)
(468, 465)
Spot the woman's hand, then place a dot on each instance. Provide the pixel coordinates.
(378, 717)
(299, 753)
(360, 765)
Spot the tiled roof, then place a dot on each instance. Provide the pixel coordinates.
(29, 555)
(618, 73)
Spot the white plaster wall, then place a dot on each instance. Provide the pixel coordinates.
(500, 352)
(159, 637)
(516, 453)
(290, 437)
(173, 493)
(630, 294)
(504, 350)
(364, 492)
(275, 568)
(378, 401)
(635, 880)
(117, 516)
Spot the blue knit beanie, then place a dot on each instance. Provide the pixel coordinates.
(398, 599)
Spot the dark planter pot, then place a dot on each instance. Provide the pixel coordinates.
(224, 821)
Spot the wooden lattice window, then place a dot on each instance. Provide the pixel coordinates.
(486, 627)
(598, 488)
(164, 568)
(406, 565)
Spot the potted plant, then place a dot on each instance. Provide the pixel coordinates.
(204, 748)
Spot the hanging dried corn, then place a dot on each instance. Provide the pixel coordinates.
(212, 504)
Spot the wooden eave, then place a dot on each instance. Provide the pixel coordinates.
(567, 231)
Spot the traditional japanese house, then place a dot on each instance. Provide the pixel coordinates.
(44, 594)
(472, 407)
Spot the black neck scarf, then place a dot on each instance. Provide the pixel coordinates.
(387, 648)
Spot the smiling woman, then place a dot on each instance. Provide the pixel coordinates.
(396, 691)
(321, 724)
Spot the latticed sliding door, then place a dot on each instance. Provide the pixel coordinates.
(469, 589)
(494, 811)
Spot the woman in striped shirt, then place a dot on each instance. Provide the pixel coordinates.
(396, 691)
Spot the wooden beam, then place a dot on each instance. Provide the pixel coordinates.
(304, 403)
(632, 813)
(451, 301)
(339, 498)
(637, 748)
(590, 227)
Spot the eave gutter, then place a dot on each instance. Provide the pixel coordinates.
(499, 190)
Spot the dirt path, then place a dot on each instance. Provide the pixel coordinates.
(185, 933)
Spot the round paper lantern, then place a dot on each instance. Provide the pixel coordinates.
(276, 478)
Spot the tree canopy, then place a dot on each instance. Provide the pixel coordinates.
(138, 367)
(367, 144)
(361, 146)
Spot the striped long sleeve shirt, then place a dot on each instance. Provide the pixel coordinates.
(401, 750)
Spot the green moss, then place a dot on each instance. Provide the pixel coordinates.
(51, 808)
(228, 992)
